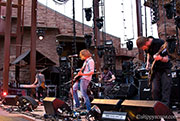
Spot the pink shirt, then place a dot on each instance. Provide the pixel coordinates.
(89, 67)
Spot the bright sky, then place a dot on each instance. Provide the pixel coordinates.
(120, 16)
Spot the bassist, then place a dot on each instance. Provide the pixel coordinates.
(160, 76)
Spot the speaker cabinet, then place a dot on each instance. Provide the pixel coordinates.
(27, 103)
(107, 104)
(51, 105)
(114, 116)
(144, 90)
(147, 110)
(10, 100)
(175, 90)
(126, 91)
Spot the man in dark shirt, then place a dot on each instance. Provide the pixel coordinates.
(161, 77)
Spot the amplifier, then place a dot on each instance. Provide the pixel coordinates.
(114, 116)
(144, 90)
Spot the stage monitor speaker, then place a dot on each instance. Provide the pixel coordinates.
(51, 105)
(127, 91)
(10, 100)
(27, 103)
(139, 110)
(107, 104)
(144, 90)
(114, 116)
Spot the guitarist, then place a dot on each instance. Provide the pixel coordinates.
(85, 73)
(161, 76)
(40, 82)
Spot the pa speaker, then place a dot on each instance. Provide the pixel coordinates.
(114, 116)
(126, 91)
(10, 100)
(107, 104)
(147, 110)
(51, 105)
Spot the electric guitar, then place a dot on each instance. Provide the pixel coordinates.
(77, 78)
(153, 63)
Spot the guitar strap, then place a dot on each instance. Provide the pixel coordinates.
(84, 66)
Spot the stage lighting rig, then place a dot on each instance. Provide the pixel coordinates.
(88, 13)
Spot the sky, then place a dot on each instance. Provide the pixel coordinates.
(119, 16)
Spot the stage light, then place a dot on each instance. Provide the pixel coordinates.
(177, 21)
(129, 45)
(169, 10)
(100, 50)
(59, 50)
(40, 33)
(4, 93)
(88, 14)
(99, 22)
(171, 43)
(88, 38)
(95, 112)
(108, 42)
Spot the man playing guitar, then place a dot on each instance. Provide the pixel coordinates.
(106, 79)
(160, 79)
(85, 75)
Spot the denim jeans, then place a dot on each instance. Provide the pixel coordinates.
(82, 84)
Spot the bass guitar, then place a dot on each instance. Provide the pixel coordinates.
(151, 73)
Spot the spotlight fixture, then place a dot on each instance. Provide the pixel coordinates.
(129, 45)
(40, 33)
(88, 38)
(88, 14)
(169, 10)
(99, 22)
(59, 50)
(60, 1)
(108, 42)
(95, 112)
(100, 50)
(171, 43)
(177, 21)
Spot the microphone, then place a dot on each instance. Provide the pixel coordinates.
(75, 55)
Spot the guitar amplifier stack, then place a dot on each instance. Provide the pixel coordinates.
(175, 89)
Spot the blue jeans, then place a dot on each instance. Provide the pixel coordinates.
(129, 79)
(83, 84)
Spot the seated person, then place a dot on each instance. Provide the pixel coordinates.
(106, 78)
